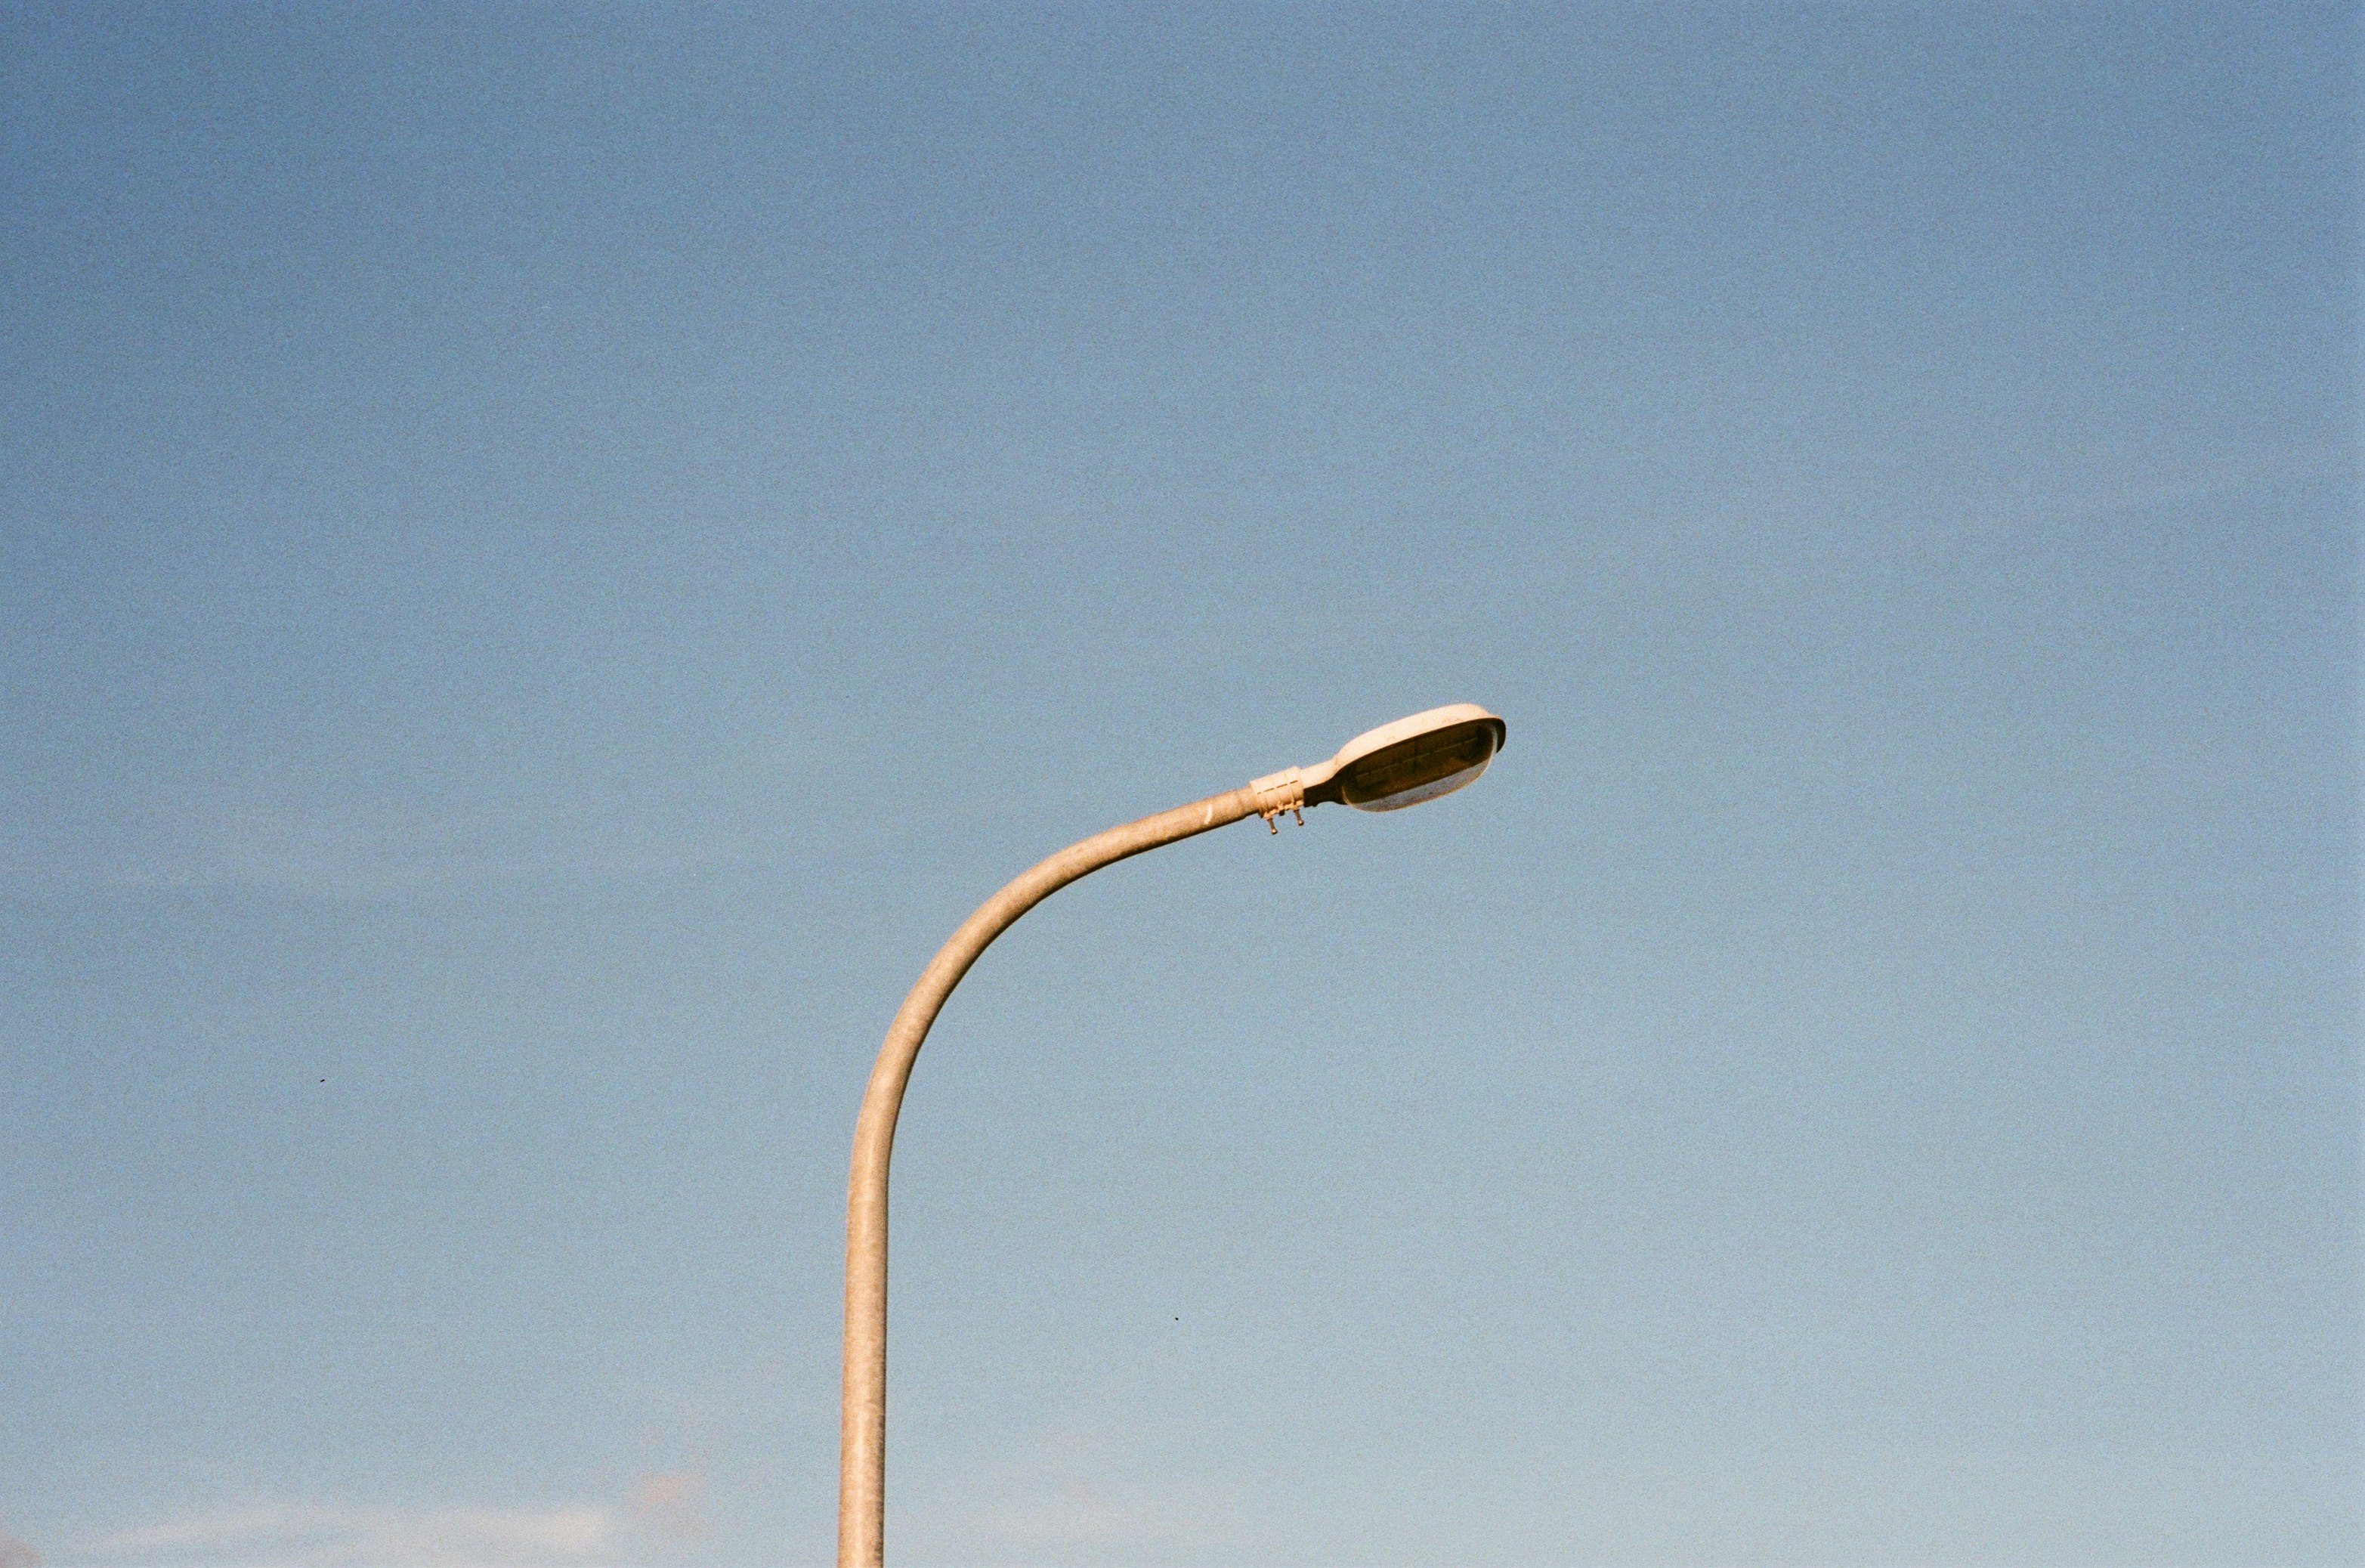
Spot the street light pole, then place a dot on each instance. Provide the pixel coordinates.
(1401, 764)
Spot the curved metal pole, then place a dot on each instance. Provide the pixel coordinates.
(862, 1453)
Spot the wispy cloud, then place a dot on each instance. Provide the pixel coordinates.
(1084, 1491)
(668, 1502)
(332, 1535)
(326, 849)
(1102, 1512)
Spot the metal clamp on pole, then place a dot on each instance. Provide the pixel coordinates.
(1278, 792)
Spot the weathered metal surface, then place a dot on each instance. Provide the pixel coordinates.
(862, 1500)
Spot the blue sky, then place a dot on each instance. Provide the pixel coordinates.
(547, 558)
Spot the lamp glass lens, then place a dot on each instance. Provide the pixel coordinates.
(1417, 769)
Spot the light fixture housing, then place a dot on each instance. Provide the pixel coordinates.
(1413, 759)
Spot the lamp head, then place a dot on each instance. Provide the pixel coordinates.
(1410, 761)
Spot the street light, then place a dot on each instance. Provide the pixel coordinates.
(1398, 765)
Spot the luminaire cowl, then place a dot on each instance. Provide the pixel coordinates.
(1412, 760)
